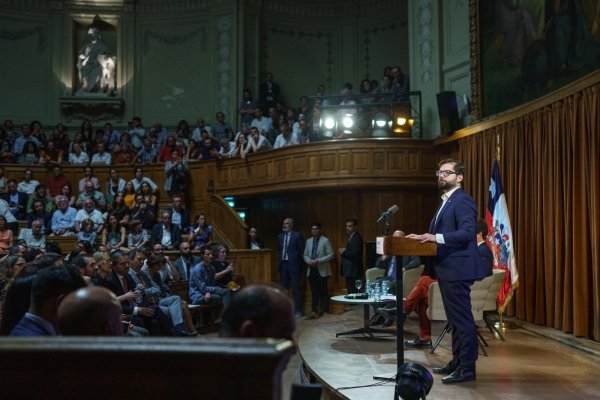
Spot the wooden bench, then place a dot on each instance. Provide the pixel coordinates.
(153, 368)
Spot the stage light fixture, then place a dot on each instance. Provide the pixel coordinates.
(413, 381)
(327, 124)
(381, 125)
(348, 121)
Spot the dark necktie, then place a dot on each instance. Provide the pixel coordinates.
(315, 249)
(392, 269)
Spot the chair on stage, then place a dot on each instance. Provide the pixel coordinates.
(410, 278)
(436, 312)
(373, 273)
(491, 302)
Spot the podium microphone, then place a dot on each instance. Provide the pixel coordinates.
(387, 214)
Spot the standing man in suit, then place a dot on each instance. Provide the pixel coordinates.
(457, 265)
(352, 255)
(291, 251)
(317, 255)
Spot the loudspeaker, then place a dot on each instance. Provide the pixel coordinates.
(448, 111)
(413, 381)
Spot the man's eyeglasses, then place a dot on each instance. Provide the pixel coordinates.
(445, 173)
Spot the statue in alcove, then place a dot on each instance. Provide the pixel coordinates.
(96, 66)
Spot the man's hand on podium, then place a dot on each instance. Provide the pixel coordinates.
(426, 237)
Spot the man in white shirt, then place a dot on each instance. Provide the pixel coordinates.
(28, 184)
(201, 126)
(139, 178)
(90, 212)
(78, 156)
(285, 138)
(34, 238)
(257, 142)
(264, 124)
(101, 157)
(137, 133)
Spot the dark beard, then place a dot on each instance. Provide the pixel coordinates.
(445, 186)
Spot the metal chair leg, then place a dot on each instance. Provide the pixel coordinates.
(492, 327)
(439, 339)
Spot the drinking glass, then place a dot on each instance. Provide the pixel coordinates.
(358, 284)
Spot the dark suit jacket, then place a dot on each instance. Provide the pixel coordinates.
(185, 219)
(406, 262)
(23, 198)
(352, 257)
(181, 269)
(458, 259)
(487, 257)
(157, 234)
(30, 327)
(295, 249)
(113, 284)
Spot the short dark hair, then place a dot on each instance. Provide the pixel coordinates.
(353, 220)
(318, 225)
(253, 303)
(458, 166)
(482, 227)
(54, 281)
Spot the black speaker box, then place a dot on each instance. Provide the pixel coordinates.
(448, 111)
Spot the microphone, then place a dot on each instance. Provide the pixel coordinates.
(387, 214)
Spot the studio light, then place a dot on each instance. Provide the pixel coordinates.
(381, 125)
(348, 121)
(327, 124)
(413, 381)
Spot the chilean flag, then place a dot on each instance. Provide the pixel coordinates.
(500, 238)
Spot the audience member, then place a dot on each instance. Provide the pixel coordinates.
(34, 236)
(56, 182)
(137, 133)
(30, 154)
(129, 195)
(166, 233)
(221, 129)
(269, 92)
(150, 196)
(201, 233)
(28, 184)
(285, 138)
(124, 153)
(51, 155)
(138, 237)
(85, 264)
(88, 176)
(10, 266)
(143, 212)
(201, 126)
(247, 107)
(16, 200)
(177, 173)
(179, 215)
(259, 311)
(203, 289)
(87, 234)
(223, 270)
(256, 142)
(101, 157)
(77, 156)
(64, 218)
(91, 193)
(68, 193)
(47, 292)
(12, 222)
(254, 243)
(40, 195)
(114, 184)
(6, 236)
(167, 272)
(114, 234)
(148, 153)
(186, 261)
(89, 212)
(166, 152)
(90, 311)
(139, 177)
(39, 212)
(159, 133)
(120, 209)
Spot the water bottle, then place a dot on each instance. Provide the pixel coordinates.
(377, 293)
(368, 288)
(384, 288)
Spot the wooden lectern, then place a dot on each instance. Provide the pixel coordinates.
(397, 246)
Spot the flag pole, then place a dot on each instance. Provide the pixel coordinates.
(501, 324)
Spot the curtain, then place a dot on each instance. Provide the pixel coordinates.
(550, 169)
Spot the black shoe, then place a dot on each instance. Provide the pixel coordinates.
(459, 375)
(376, 319)
(388, 313)
(387, 323)
(418, 343)
(446, 369)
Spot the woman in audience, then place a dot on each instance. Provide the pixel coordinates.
(166, 152)
(78, 139)
(6, 236)
(31, 153)
(38, 132)
(201, 233)
(184, 127)
(181, 140)
(138, 237)
(254, 243)
(124, 153)
(51, 155)
(114, 184)
(290, 117)
(39, 212)
(120, 209)
(129, 195)
(86, 130)
(144, 212)
(193, 152)
(366, 87)
(68, 193)
(6, 154)
(10, 266)
(113, 234)
(223, 269)
(146, 191)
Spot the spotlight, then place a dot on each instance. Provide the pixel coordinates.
(413, 381)
(381, 124)
(401, 121)
(327, 124)
(348, 121)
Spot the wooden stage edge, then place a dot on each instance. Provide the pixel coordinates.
(530, 364)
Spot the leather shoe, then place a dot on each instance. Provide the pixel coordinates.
(418, 343)
(446, 369)
(459, 375)
(388, 313)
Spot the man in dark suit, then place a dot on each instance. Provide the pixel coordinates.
(166, 233)
(291, 251)
(484, 251)
(17, 201)
(186, 262)
(352, 256)
(122, 284)
(457, 265)
(49, 288)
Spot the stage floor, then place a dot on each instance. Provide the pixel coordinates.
(526, 366)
